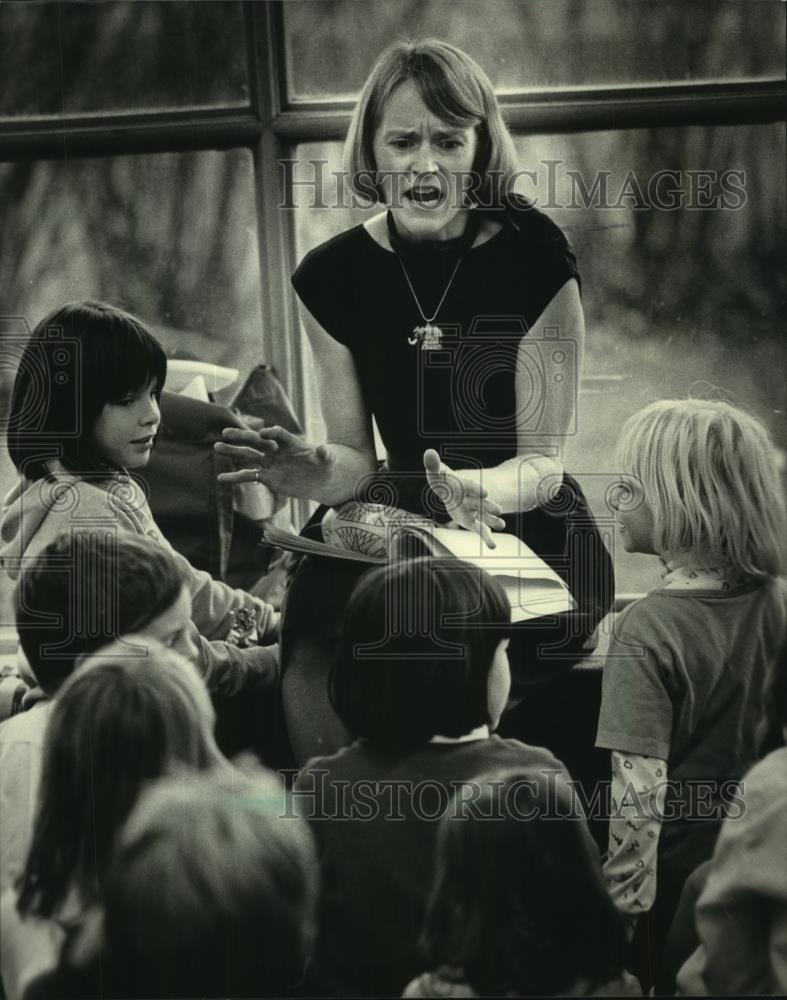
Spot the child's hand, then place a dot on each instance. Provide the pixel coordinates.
(464, 498)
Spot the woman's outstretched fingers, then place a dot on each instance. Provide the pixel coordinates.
(486, 534)
(241, 455)
(492, 512)
(281, 435)
(262, 439)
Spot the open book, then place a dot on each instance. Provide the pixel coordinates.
(532, 587)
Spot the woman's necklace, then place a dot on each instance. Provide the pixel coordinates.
(428, 334)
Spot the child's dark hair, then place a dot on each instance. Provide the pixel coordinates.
(119, 722)
(86, 589)
(79, 358)
(519, 906)
(241, 875)
(414, 652)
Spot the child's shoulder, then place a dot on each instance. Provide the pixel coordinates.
(657, 606)
(507, 749)
(643, 614)
(665, 604)
(497, 750)
(345, 757)
(767, 779)
(27, 727)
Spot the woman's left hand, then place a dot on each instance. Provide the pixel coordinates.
(464, 498)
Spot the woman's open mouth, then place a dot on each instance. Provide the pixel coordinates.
(425, 197)
(145, 440)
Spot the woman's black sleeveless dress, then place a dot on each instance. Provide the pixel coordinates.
(461, 401)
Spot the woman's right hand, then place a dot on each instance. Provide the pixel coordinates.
(286, 463)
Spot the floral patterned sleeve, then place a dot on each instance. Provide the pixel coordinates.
(638, 792)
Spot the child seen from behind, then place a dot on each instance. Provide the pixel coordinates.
(519, 906)
(118, 722)
(420, 679)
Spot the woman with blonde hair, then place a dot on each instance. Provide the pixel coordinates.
(454, 319)
(687, 664)
(131, 713)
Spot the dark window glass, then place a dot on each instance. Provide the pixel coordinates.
(532, 45)
(80, 58)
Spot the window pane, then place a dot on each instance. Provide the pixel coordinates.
(170, 237)
(531, 45)
(683, 283)
(72, 58)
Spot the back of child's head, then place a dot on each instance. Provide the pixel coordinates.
(84, 590)
(415, 649)
(710, 476)
(79, 358)
(119, 721)
(212, 891)
(519, 906)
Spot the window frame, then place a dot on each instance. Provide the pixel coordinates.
(272, 126)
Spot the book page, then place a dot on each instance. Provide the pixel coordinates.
(509, 557)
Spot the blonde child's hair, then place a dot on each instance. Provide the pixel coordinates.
(710, 475)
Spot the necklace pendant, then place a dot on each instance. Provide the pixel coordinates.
(430, 337)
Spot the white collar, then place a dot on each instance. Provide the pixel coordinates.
(479, 733)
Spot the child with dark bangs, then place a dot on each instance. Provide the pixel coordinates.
(84, 415)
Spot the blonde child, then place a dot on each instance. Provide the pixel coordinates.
(686, 665)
